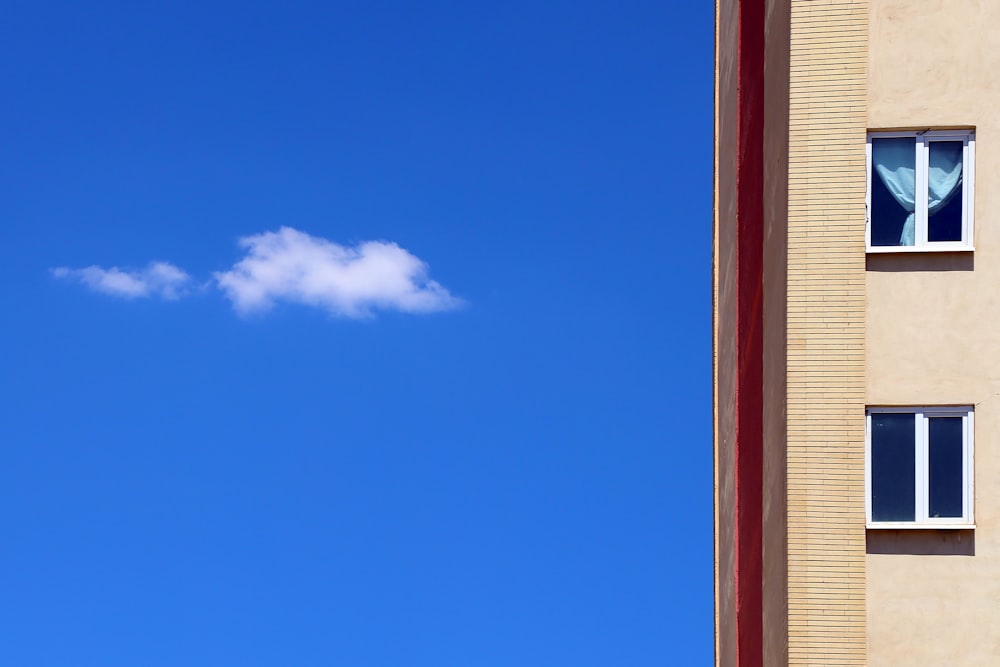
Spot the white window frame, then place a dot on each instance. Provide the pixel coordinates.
(923, 139)
(921, 518)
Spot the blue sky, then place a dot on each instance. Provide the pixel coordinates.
(356, 333)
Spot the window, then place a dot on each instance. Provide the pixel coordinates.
(919, 467)
(920, 190)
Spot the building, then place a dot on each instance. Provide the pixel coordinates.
(857, 332)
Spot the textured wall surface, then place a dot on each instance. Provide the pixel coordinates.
(751, 213)
(808, 108)
(933, 335)
(826, 332)
(738, 271)
(724, 330)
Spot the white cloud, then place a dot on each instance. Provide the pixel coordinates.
(157, 279)
(294, 267)
(289, 265)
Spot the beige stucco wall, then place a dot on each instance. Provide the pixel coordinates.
(933, 334)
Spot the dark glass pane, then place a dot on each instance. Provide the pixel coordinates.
(944, 191)
(893, 171)
(946, 480)
(946, 224)
(893, 467)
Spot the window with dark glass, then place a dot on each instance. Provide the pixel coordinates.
(919, 466)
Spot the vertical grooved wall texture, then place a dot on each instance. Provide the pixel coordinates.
(826, 335)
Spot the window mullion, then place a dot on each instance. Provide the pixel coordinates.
(920, 195)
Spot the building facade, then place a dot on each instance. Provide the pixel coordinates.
(857, 332)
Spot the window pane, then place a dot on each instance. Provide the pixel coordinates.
(944, 191)
(946, 481)
(893, 189)
(893, 466)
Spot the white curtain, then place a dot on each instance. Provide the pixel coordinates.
(894, 160)
(944, 174)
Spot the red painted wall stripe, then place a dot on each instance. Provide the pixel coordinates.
(749, 440)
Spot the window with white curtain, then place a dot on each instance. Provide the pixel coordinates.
(920, 190)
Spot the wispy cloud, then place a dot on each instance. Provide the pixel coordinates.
(294, 267)
(159, 279)
(289, 265)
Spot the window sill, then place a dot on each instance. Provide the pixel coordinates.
(913, 525)
(886, 249)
